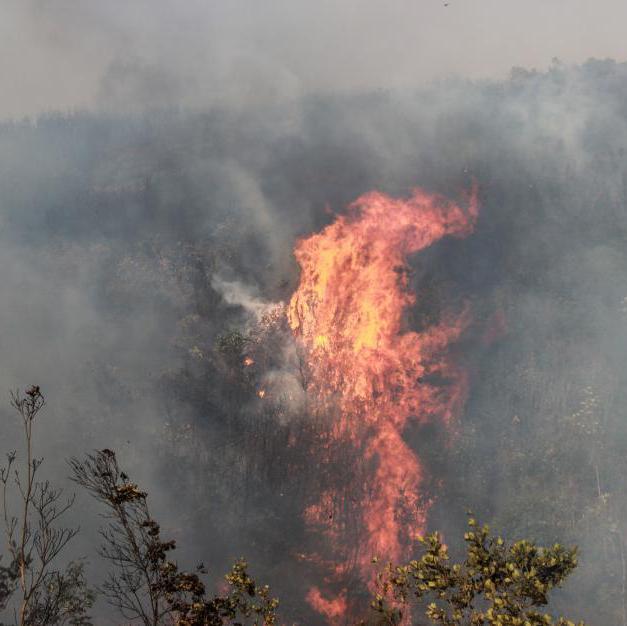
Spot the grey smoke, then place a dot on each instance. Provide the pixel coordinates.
(236, 53)
(136, 233)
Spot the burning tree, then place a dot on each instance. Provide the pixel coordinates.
(498, 584)
(374, 373)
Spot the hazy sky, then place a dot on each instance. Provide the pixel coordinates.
(59, 54)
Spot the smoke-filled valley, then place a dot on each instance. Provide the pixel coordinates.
(147, 262)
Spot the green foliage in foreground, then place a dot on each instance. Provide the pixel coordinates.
(498, 583)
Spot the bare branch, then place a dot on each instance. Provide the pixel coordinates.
(47, 596)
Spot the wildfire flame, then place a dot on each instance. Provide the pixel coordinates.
(348, 313)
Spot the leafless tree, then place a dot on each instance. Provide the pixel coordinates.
(34, 539)
(130, 539)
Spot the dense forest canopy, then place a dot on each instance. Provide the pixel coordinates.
(138, 254)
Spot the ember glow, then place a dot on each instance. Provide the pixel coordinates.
(348, 311)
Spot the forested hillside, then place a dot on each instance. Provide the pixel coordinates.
(145, 261)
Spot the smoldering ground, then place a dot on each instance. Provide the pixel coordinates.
(118, 230)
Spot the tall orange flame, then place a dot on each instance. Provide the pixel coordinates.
(348, 312)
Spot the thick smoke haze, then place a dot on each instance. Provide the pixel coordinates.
(159, 53)
(174, 154)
